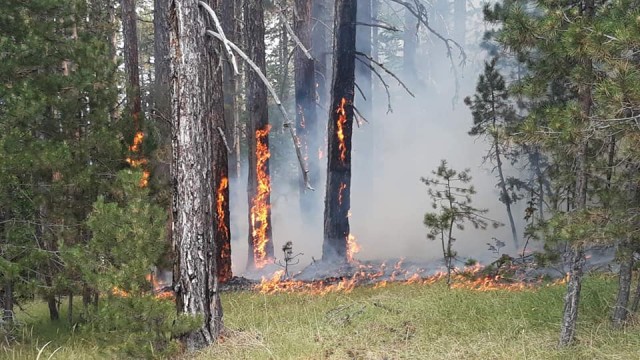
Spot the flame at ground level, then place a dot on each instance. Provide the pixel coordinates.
(470, 278)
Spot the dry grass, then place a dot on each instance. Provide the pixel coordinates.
(396, 322)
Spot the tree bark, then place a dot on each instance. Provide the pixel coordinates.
(161, 98)
(577, 260)
(621, 308)
(339, 131)
(228, 21)
(322, 13)
(197, 111)
(259, 183)
(307, 124)
(131, 66)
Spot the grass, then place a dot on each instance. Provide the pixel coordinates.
(396, 322)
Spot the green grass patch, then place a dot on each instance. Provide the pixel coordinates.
(396, 322)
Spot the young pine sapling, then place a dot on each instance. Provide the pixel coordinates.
(451, 194)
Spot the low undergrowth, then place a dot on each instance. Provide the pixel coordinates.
(395, 322)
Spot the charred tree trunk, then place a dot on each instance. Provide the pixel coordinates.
(197, 111)
(130, 37)
(339, 130)
(307, 124)
(621, 308)
(259, 183)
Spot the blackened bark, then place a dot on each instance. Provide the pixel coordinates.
(196, 106)
(130, 39)
(307, 124)
(259, 183)
(621, 308)
(339, 130)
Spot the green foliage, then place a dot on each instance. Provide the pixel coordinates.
(451, 198)
(140, 326)
(127, 239)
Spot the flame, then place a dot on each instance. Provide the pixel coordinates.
(340, 190)
(224, 184)
(136, 162)
(469, 278)
(352, 247)
(137, 142)
(160, 290)
(260, 208)
(342, 120)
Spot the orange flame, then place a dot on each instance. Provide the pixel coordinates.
(260, 208)
(352, 247)
(224, 184)
(342, 120)
(137, 142)
(340, 190)
(159, 289)
(139, 162)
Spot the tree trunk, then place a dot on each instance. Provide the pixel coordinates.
(197, 111)
(339, 130)
(307, 124)
(259, 183)
(228, 21)
(70, 309)
(161, 99)
(322, 13)
(621, 308)
(635, 306)
(7, 302)
(130, 39)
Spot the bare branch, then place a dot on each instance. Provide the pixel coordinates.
(381, 65)
(224, 39)
(386, 86)
(224, 139)
(382, 26)
(276, 99)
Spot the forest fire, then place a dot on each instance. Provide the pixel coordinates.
(342, 120)
(260, 204)
(160, 290)
(137, 162)
(352, 247)
(340, 190)
(475, 278)
(220, 203)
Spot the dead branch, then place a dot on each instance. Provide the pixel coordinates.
(381, 66)
(382, 26)
(359, 114)
(224, 39)
(386, 86)
(293, 34)
(276, 99)
(360, 91)
(224, 139)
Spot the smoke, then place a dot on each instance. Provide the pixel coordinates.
(390, 153)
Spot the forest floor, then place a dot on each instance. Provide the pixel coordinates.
(396, 322)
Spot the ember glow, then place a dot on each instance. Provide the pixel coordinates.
(220, 201)
(260, 204)
(342, 120)
(340, 190)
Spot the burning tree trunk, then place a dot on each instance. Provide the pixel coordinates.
(259, 183)
(307, 124)
(197, 168)
(340, 127)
